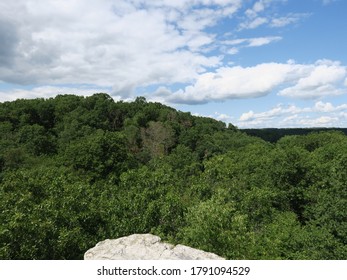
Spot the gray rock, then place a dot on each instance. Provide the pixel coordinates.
(144, 247)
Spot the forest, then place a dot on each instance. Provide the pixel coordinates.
(274, 134)
(77, 170)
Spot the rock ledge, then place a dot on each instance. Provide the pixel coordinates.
(144, 247)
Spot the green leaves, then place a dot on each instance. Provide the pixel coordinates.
(51, 214)
(36, 140)
(150, 201)
(99, 155)
(76, 170)
(216, 226)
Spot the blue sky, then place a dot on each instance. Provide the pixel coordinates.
(260, 63)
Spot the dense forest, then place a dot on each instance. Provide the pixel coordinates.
(274, 134)
(77, 170)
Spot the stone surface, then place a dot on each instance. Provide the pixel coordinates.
(144, 247)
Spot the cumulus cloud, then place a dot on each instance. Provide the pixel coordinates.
(303, 81)
(275, 112)
(323, 121)
(320, 114)
(325, 78)
(324, 107)
(122, 44)
(233, 82)
(328, 107)
(247, 116)
(221, 116)
(47, 91)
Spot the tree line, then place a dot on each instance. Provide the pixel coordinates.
(274, 134)
(76, 170)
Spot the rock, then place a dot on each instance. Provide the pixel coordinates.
(144, 247)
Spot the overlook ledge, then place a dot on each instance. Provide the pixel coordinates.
(145, 247)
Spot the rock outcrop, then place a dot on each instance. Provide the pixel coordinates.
(144, 247)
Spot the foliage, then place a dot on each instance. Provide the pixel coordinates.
(76, 170)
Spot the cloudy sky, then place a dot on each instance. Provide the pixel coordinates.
(254, 63)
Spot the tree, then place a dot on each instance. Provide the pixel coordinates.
(36, 140)
(99, 155)
(216, 226)
(157, 139)
(150, 202)
(76, 170)
(51, 214)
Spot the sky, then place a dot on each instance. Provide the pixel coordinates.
(252, 63)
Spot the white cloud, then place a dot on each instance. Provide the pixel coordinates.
(323, 121)
(232, 51)
(247, 116)
(241, 43)
(324, 107)
(235, 41)
(257, 42)
(268, 115)
(260, 14)
(311, 93)
(328, 107)
(47, 91)
(288, 19)
(254, 23)
(290, 119)
(320, 114)
(233, 82)
(257, 8)
(283, 21)
(323, 79)
(303, 81)
(222, 117)
(121, 44)
(252, 42)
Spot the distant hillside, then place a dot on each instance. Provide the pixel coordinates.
(274, 134)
